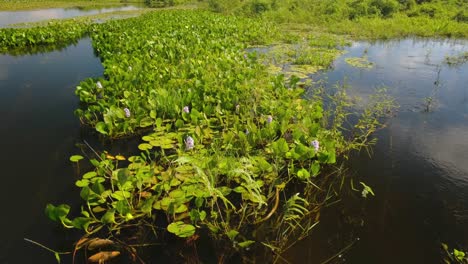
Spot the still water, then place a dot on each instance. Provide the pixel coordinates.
(419, 167)
(38, 134)
(14, 17)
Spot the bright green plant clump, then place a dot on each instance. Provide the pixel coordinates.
(228, 148)
(51, 36)
(158, 64)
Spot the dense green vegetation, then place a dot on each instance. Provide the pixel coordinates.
(228, 149)
(53, 35)
(368, 19)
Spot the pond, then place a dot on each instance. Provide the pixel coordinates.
(38, 132)
(418, 169)
(14, 17)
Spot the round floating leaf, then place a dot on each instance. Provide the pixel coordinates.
(76, 158)
(89, 175)
(145, 146)
(181, 229)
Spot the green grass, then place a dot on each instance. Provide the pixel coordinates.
(367, 19)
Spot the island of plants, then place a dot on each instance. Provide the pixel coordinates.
(228, 150)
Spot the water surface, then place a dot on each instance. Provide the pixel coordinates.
(14, 17)
(38, 134)
(419, 168)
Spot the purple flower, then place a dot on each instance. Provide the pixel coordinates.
(127, 112)
(189, 143)
(186, 109)
(99, 85)
(269, 119)
(315, 144)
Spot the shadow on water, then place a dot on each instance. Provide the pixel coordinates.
(38, 134)
(419, 168)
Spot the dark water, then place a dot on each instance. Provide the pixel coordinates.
(419, 168)
(14, 17)
(38, 134)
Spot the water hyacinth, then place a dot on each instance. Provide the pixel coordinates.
(189, 143)
(99, 85)
(127, 112)
(315, 144)
(186, 109)
(269, 119)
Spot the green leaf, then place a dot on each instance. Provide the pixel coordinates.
(123, 175)
(57, 257)
(315, 168)
(76, 158)
(101, 127)
(280, 147)
(303, 174)
(82, 222)
(246, 243)
(146, 122)
(108, 217)
(89, 175)
(459, 255)
(145, 146)
(82, 183)
(57, 213)
(232, 234)
(181, 229)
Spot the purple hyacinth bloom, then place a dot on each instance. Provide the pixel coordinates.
(127, 112)
(315, 144)
(189, 143)
(269, 119)
(186, 109)
(99, 85)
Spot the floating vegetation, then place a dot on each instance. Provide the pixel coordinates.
(228, 150)
(457, 60)
(359, 62)
(313, 53)
(53, 35)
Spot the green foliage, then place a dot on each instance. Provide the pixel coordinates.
(54, 35)
(225, 142)
(456, 256)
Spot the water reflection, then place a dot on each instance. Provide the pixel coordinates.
(38, 134)
(14, 17)
(419, 169)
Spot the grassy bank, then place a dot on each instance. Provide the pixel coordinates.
(370, 19)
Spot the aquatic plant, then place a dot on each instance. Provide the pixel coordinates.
(249, 156)
(53, 35)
